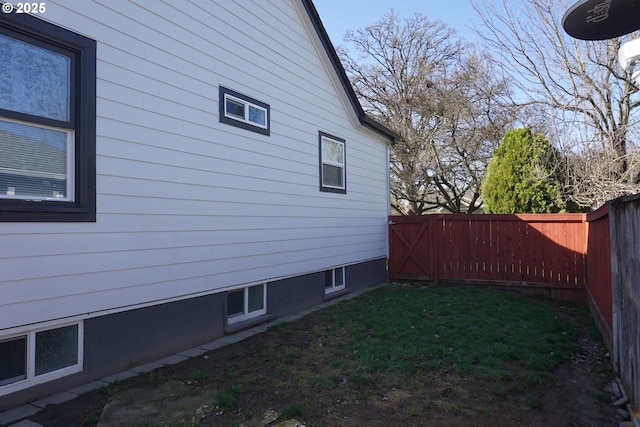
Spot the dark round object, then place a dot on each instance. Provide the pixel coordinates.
(602, 19)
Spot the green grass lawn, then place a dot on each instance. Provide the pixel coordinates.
(510, 341)
(405, 354)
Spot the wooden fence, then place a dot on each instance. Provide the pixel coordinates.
(532, 250)
(563, 256)
(597, 255)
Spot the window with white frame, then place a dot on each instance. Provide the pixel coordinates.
(47, 122)
(332, 164)
(334, 280)
(38, 356)
(242, 111)
(246, 303)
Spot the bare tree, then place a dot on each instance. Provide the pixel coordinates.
(446, 103)
(590, 105)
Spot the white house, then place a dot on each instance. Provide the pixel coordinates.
(171, 172)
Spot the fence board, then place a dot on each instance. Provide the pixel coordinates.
(535, 239)
(598, 265)
(625, 271)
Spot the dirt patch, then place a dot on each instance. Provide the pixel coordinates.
(286, 370)
(172, 403)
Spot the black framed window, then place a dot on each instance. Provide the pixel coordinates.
(47, 122)
(244, 112)
(333, 165)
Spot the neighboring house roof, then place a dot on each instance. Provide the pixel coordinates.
(50, 160)
(364, 119)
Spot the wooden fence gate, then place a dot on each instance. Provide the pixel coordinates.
(410, 255)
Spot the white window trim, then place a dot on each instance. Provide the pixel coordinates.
(31, 378)
(246, 316)
(341, 165)
(334, 288)
(246, 105)
(70, 165)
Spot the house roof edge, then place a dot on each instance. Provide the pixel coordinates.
(364, 119)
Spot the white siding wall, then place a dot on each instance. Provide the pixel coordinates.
(187, 205)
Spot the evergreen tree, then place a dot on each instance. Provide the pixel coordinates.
(521, 176)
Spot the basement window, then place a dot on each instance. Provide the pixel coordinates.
(38, 356)
(246, 303)
(334, 280)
